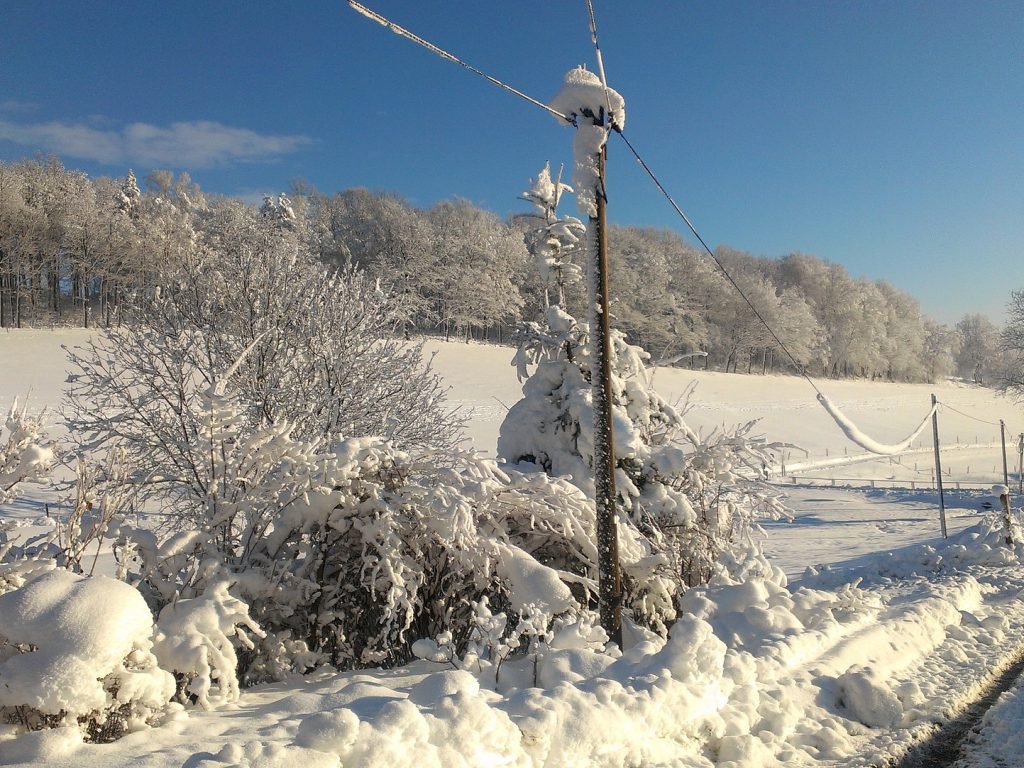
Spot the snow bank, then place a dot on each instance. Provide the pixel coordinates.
(86, 648)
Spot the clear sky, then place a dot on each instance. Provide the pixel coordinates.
(887, 136)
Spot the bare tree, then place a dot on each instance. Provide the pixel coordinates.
(322, 356)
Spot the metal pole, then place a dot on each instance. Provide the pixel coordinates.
(609, 579)
(938, 468)
(1002, 439)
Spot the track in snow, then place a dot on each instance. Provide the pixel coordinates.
(944, 747)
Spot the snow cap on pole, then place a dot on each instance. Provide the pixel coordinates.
(583, 94)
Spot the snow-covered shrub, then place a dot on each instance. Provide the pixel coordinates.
(353, 552)
(78, 650)
(323, 358)
(26, 452)
(26, 455)
(196, 640)
(398, 546)
(687, 503)
(101, 497)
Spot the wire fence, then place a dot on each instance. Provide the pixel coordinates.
(884, 482)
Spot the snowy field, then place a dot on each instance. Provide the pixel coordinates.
(883, 630)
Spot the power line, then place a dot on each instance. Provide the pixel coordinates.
(969, 416)
(403, 32)
(600, 62)
(718, 262)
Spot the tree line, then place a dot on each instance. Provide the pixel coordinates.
(71, 247)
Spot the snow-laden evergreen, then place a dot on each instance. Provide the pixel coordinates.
(688, 503)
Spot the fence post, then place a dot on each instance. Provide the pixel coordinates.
(1002, 439)
(938, 467)
(1020, 464)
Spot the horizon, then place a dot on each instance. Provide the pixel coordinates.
(875, 136)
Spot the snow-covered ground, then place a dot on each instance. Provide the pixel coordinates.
(883, 630)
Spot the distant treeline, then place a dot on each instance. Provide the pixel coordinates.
(71, 247)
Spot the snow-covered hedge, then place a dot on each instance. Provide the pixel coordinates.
(351, 553)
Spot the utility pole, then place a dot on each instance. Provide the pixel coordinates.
(609, 578)
(938, 467)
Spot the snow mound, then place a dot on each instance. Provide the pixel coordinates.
(88, 644)
(866, 695)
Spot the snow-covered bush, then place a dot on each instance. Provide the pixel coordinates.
(26, 455)
(101, 496)
(399, 546)
(688, 503)
(196, 640)
(322, 358)
(354, 551)
(26, 452)
(77, 650)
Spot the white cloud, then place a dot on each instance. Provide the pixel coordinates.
(199, 144)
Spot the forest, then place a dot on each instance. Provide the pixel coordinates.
(72, 247)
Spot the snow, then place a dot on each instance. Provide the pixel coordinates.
(865, 630)
(583, 96)
(195, 640)
(868, 444)
(80, 633)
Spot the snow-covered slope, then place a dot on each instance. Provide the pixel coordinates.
(887, 632)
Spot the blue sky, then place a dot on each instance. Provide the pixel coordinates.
(886, 136)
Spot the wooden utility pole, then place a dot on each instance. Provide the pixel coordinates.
(938, 468)
(609, 578)
(1002, 439)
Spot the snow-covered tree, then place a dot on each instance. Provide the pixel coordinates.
(1011, 346)
(129, 196)
(476, 255)
(278, 212)
(552, 240)
(941, 345)
(979, 343)
(324, 359)
(686, 507)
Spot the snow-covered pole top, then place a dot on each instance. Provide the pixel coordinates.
(583, 95)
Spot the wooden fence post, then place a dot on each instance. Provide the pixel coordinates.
(938, 468)
(1020, 465)
(1002, 439)
(1004, 499)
